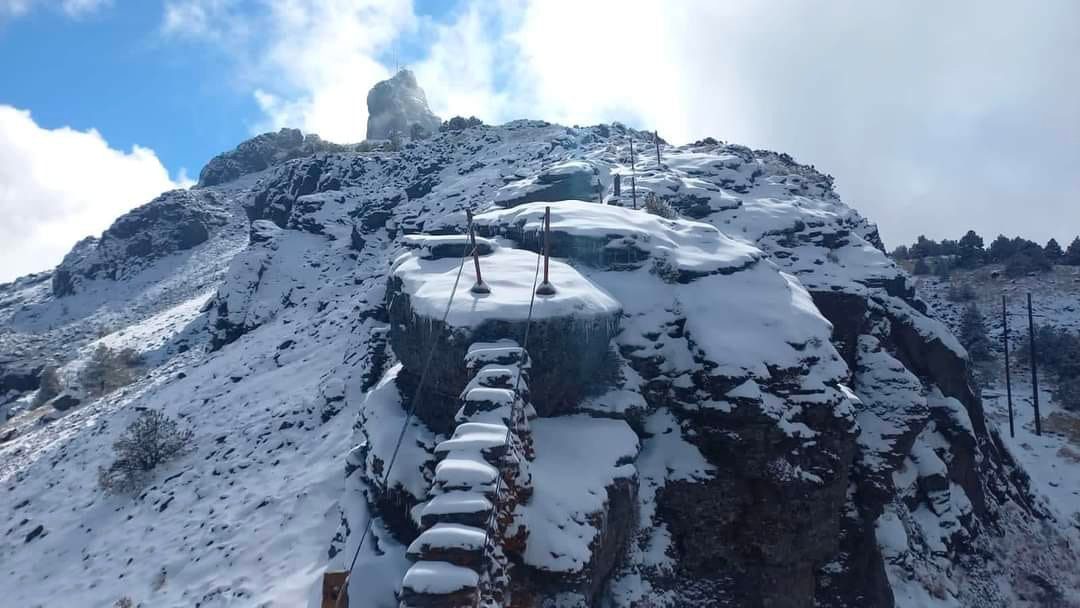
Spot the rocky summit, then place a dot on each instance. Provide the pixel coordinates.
(729, 397)
(398, 108)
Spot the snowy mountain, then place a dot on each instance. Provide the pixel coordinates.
(744, 403)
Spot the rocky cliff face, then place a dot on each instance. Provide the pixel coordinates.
(858, 471)
(743, 405)
(261, 152)
(398, 107)
(175, 221)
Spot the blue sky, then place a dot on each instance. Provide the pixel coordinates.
(934, 118)
(114, 71)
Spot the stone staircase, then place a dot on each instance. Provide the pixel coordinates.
(481, 476)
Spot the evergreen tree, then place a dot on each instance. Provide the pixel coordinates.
(1000, 250)
(901, 253)
(924, 247)
(1053, 251)
(1028, 256)
(1072, 254)
(970, 250)
(973, 334)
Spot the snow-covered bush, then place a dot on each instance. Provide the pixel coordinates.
(109, 369)
(50, 385)
(150, 440)
(658, 206)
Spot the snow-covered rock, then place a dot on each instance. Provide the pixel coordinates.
(774, 420)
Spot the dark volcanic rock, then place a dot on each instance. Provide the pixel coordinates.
(398, 107)
(177, 220)
(261, 152)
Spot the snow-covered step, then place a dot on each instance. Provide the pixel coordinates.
(441, 584)
(459, 507)
(494, 375)
(475, 436)
(455, 543)
(462, 472)
(504, 352)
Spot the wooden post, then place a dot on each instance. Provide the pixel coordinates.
(656, 138)
(1034, 366)
(633, 174)
(1008, 380)
(546, 288)
(479, 287)
(335, 592)
(617, 185)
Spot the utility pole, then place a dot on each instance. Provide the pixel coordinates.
(633, 174)
(656, 138)
(1034, 365)
(1008, 380)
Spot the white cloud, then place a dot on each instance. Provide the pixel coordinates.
(309, 63)
(71, 8)
(60, 185)
(933, 117)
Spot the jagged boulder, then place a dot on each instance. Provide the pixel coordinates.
(261, 152)
(397, 107)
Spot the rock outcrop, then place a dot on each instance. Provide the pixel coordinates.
(175, 221)
(261, 152)
(397, 107)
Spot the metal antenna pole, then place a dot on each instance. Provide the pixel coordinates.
(1034, 366)
(546, 288)
(479, 287)
(1008, 380)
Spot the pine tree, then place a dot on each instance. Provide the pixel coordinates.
(1000, 250)
(970, 250)
(1072, 254)
(973, 334)
(1053, 251)
(921, 267)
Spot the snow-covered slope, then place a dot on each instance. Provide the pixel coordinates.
(776, 421)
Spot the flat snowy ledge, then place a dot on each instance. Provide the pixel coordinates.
(510, 274)
(695, 247)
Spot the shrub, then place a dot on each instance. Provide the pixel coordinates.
(109, 370)
(973, 334)
(961, 292)
(124, 602)
(150, 440)
(658, 206)
(1068, 394)
(1024, 262)
(50, 386)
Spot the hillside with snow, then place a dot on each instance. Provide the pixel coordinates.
(736, 399)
